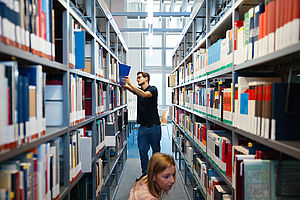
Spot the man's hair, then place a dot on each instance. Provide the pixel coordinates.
(144, 74)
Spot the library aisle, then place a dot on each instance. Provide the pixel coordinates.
(132, 169)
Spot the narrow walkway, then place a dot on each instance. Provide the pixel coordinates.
(133, 169)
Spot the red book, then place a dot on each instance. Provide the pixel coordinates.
(203, 134)
(266, 16)
(17, 186)
(290, 10)
(35, 188)
(264, 28)
(272, 16)
(285, 11)
(9, 119)
(39, 14)
(229, 158)
(237, 24)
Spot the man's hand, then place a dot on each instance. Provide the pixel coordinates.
(126, 81)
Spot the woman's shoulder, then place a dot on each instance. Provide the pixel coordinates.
(141, 192)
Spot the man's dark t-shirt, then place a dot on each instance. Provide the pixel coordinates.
(147, 112)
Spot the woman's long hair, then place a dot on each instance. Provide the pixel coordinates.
(157, 163)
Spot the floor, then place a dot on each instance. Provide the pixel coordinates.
(133, 169)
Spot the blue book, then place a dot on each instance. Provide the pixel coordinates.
(123, 71)
(284, 124)
(244, 103)
(79, 49)
(251, 35)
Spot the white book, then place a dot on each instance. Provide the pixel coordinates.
(41, 171)
(18, 32)
(48, 154)
(271, 42)
(295, 31)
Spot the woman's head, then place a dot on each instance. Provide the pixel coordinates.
(161, 173)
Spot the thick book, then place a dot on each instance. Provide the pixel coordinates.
(271, 23)
(283, 124)
(259, 179)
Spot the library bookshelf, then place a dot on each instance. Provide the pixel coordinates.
(63, 123)
(235, 77)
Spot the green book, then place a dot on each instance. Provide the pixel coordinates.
(246, 30)
(259, 179)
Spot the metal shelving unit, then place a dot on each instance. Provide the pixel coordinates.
(279, 59)
(115, 50)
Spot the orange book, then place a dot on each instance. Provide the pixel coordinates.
(261, 26)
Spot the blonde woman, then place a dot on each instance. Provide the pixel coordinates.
(160, 178)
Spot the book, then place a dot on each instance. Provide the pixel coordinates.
(283, 125)
(237, 178)
(295, 22)
(123, 71)
(259, 179)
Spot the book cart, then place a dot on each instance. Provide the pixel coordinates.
(63, 124)
(235, 117)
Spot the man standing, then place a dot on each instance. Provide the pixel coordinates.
(149, 132)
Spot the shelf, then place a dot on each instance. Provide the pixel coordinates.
(51, 133)
(225, 21)
(179, 150)
(63, 192)
(119, 181)
(228, 179)
(86, 121)
(99, 154)
(293, 50)
(118, 132)
(83, 24)
(192, 16)
(114, 165)
(76, 181)
(291, 148)
(29, 57)
(192, 172)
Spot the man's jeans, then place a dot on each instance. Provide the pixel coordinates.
(146, 137)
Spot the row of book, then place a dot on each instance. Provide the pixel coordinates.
(33, 175)
(100, 135)
(256, 171)
(29, 25)
(99, 176)
(211, 181)
(22, 117)
(77, 99)
(259, 104)
(75, 151)
(80, 51)
(207, 178)
(80, 55)
(265, 28)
